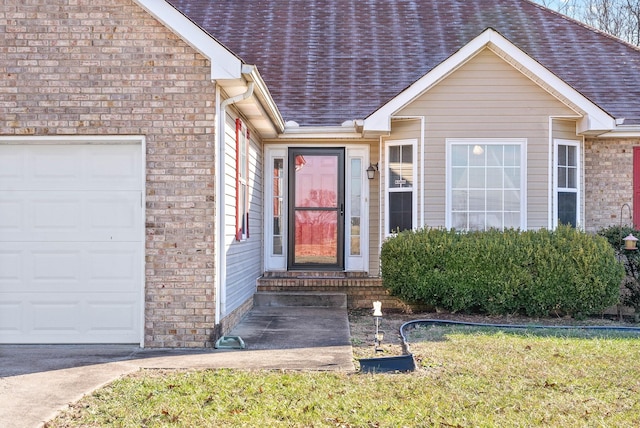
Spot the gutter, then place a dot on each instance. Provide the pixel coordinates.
(220, 275)
(627, 131)
(264, 97)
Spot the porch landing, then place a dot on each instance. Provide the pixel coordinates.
(361, 289)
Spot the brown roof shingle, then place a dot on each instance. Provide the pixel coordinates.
(327, 61)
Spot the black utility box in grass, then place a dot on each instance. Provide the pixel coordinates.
(401, 363)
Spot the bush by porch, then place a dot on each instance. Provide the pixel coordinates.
(535, 273)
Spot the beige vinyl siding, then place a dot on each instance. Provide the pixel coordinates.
(244, 258)
(565, 129)
(374, 211)
(485, 98)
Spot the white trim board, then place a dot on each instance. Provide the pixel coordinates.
(594, 119)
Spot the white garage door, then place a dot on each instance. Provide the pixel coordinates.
(71, 243)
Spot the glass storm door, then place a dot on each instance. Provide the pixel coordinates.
(316, 208)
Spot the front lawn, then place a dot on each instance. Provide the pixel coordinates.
(467, 378)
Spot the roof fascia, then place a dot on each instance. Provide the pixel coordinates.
(320, 132)
(622, 132)
(594, 120)
(264, 97)
(224, 64)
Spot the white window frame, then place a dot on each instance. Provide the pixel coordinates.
(522, 142)
(356, 262)
(578, 190)
(243, 142)
(414, 188)
(275, 262)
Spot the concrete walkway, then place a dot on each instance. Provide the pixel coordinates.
(37, 381)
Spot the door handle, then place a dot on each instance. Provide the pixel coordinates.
(341, 209)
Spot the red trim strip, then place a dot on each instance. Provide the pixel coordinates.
(246, 179)
(238, 223)
(636, 187)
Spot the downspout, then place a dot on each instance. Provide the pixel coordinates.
(220, 277)
(382, 159)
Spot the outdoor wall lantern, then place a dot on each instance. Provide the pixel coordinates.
(371, 171)
(377, 314)
(630, 242)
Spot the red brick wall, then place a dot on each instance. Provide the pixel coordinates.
(86, 67)
(608, 171)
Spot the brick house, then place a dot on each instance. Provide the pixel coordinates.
(158, 157)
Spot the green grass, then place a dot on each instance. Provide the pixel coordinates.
(467, 379)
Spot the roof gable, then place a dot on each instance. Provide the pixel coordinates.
(327, 61)
(594, 119)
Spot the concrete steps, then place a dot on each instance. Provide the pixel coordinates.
(360, 289)
(300, 299)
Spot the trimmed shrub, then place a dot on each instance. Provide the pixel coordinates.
(535, 273)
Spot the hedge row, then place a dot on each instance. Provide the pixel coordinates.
(535, 273)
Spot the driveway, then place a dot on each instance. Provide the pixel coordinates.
(37, 381)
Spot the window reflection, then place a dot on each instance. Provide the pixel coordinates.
(316, 215)
(485, 186)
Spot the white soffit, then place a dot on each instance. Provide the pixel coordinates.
(594, 118)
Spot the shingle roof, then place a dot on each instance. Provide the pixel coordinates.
(327, 61)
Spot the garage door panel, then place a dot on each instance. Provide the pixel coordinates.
(78, 267)
(115, 216)
(63, 312)
(55, 267)
(117, 165)
(54, 166)
(55, 214)
(63, 318)
(10, 317)
(70, 167)
(93, 319)
(11, 267)
(70, 216)
(112, 316)
(118, 268)
(12, 215)
(71, 243)
(12, 167)
(55, 314)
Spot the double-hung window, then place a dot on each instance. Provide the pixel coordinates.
(242, 181)
(567, 182)
(400, 175)
(486, 184)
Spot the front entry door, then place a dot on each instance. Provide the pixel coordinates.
(316, 208)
